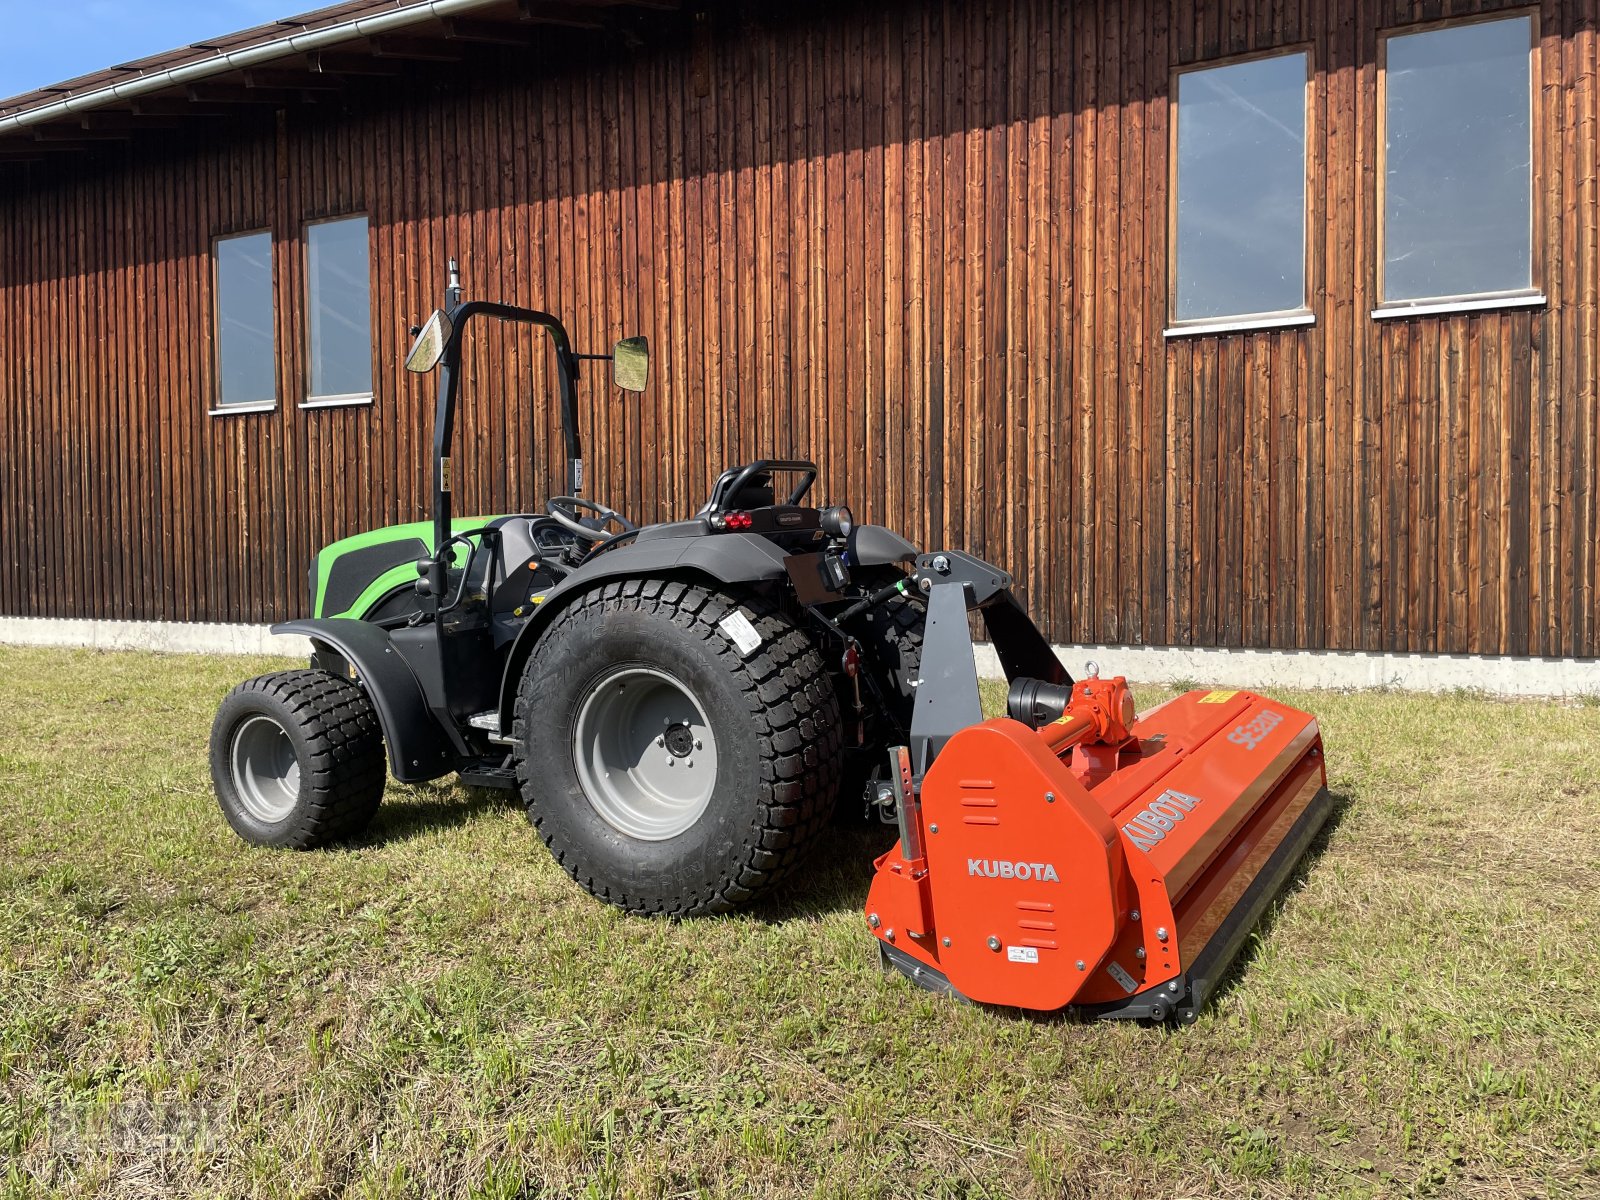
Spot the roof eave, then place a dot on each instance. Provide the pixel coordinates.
(300, 41)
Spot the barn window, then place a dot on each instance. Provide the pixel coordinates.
(338, 278)
(1239, 196)
(1457, 168)
(246, 361)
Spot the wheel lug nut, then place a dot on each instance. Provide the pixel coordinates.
(698, 744)
(661, 741)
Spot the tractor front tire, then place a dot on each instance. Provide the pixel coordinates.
(677, 748)
(297, 759)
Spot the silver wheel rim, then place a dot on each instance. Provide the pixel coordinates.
(645, 754)
(266, 770)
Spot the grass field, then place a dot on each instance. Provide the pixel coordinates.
(437, 1011)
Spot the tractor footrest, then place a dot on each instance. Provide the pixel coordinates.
(504, 778)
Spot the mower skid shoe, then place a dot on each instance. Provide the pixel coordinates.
(929, 979)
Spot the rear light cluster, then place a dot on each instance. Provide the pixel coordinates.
(733, 522)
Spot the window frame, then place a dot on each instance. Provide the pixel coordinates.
(347, 399)
(1532, 296)
(1285, 318)
(218, 408)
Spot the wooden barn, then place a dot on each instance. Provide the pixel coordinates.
(1270, 323)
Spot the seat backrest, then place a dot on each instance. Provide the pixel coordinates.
(755, 492)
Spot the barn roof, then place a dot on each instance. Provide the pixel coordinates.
(289, 61)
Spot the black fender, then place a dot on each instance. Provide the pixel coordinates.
(721, 558)
(418, 749)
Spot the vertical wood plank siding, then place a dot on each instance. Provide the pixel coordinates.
(923, 244)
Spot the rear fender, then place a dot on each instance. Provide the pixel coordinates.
(728, 558)
(418, 749)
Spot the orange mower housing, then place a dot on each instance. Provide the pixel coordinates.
(1084, 857)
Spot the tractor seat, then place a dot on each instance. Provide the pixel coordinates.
(754, 492)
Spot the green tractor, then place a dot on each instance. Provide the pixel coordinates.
(680, 706)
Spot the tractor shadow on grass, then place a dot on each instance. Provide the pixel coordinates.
(416, 810)
(834, 877)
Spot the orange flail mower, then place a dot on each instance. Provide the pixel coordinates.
(1073, 854)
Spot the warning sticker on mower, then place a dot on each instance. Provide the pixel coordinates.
(740, 632)
(1217, 697)
(1027, 954)
(1124, 980)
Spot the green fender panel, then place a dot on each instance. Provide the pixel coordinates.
(350, 576)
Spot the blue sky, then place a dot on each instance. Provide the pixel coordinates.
(48, 42)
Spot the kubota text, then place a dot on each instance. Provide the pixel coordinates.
(1150, 826)
(993, 868)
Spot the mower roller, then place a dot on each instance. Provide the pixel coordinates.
(681, 706)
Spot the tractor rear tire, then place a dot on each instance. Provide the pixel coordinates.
(297, 759)
(677, 748)
(891, 633)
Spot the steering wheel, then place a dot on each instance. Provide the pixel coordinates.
(566, 510)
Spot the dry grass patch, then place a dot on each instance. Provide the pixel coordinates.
(437, 1011)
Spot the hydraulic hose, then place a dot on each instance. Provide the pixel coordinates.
(900, 586)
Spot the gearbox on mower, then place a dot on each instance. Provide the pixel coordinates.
(681, 706)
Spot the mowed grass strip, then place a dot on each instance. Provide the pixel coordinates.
(436, 1010)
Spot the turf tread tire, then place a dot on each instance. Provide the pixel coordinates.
(795, 714)
(893, 631)
(338, 740)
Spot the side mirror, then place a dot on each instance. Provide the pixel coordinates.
(630, 364)
(428, 349)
